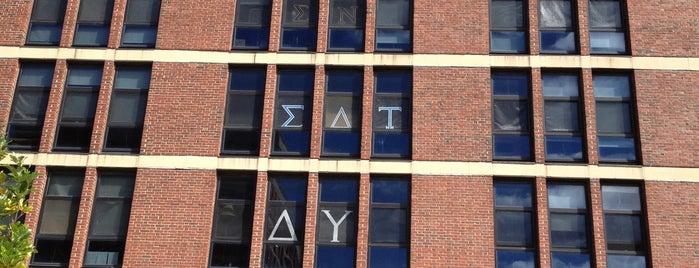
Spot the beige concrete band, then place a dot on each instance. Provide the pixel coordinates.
(582, 171)
(354, 59)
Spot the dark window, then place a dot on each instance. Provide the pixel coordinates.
(569, 225)
(127, 109)
(562, 118)
(346, 26)
(110, 219)
(59, 213)
(78, 108)
(243, 120)
(29, 106)
(392, 113)
(624, 226)
(615, 124)
(299, 22)
(393, 25)
(607, 27)
(252, 18)
(557, 26)
(336, 229)
(285, 221)
(46, 22)
(140, 23)
(514, 224)
(508, 27)
(292, 123)
(342, 119)
(511, 116)
(230, 241)
(389, 222)
(94, 19)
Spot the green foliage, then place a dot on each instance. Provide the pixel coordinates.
(15, 185)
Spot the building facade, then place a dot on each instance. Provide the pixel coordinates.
(356, 133)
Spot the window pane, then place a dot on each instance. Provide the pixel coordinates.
(53, 251)
(287, 189)
(513, 194)
(555, 14)
(230, 255)
(613, 117)
(58, 217)
(346, 39)
(564, 148)
(120, 185)
(91, 35)
(69, 185)
(614, 86)
(95, 11)
(136, 35)
(240, 187)
(510, 115)
(89, 76)
(558, 42)
(510, 85)
(560, 85)
(299, 38)
(73, 137)
(607, 42)
(568, 230)
(393, 13)
(132, 78)
(128, 108)
(334, 257)
(626, 261)
(23, 136)
(508, 42)
(292, 142)
(561, 116)
(250, 37)
(566, 196)
(390, 39)
(279, 255)
(335, 142)
(389, 113)
(506, 14)
(299, 13)
(110, 217)
(48, 34)
(30, 105)
(293, 112)
(345, 81)
(253, 12)
(511, 146)
(388, 225)
(276, 214)
(570, 260)
(339, 190)
(390, 191)
(623, 229)
(397, 144)
(346, 229)
(142, 12)
(513, 228)
(388, 257)
(342, 112)
(250, 79)
(126, 138)
(621, 198)
(347, 13)
(79, 106)
(244, 110)
(241, 140)
(233, 221)
(297, 80)
(104, 252)
(49, 10)
(36, 75)
(514, 259)
(605, 14)
(393, 82)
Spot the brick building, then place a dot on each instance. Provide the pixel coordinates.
(356, 133)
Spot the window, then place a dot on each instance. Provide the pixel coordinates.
(508, 29)
(568, 224)
(562, 124)
(624, 226)
(78, 108)
(94, 19)
(346, 26)
(110, 219)
(342, 119)
(59, 213)
(511, 116)
(557, 26)
(252, 18)
(393, 25)
(392, 113)
(615, 125)
(389, 216)
(232, 234)
(243, 120)
(29, 106)
(285, 221)
(336, 230)
(607, 27)
(127, 109)
(140, 23)
(514, 225)
(46, 22)
(292, 127)
(299, 22)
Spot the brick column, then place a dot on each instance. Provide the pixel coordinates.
(268, 111)
(583, 29)
(590, 130)
(53, 107)
(599, 244)
(534, 27)
(14, 17)
(69, 23)
(9, 71)
(367, 104)
(369, 33)
(258, 220)
(309, 242)
(363, 220)
(538, 116)
(102, 112)
(543, 223)
(82, 224)
(117, 24)
(317, 113)
(275, 25)
(323, 16)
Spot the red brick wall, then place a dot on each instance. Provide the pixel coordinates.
(14, 18)
(196, 25)
(451, 222)
(451, 27)
(668, 112)
(9, 71)
(451, 114)
(664, 28)
(171, 218)
(184, 114)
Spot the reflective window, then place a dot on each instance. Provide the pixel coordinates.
(569, 225)
(392, 114)
(508, 27)
(394, 25)
(243, 119)
(285, 221)
(514, 216)
(29, 106)
(389, 222)
(624, 225)
(336, 229)
(252, 18)
(140, 23)
(127, 109)
(46, 22)
(94, 19)
(511, 113)
(607, 27)
(342, 117)
(292, 115)
(346, 25)
(77, 114)
(232, 234)
(557, 26)
(616, 134)
(563, 137)
(299, 25)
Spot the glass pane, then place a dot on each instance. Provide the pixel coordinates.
(58, 217)
(561, 116)
(388, 225)
(626, 261)
(562, 148)
(510, 115)
(339, 190)
(250, 37)
(567, 196)
(605, 14)
(79, 106)
(252, 12)
(345, 81)
(615, 197)
(287, 189)
(336, 142)
(104, 252)
(555, 14)
(89, 76)
(123, 138)
(393, 82)
(389, 113)
(390, 39)
(514, 259)
(568, 230)
(110, 217)
(299, 38)
(391, 144)
(506, 14)
(128, 108)
(347, 13)
(230, 255)
(132, 78)
(116, 185)
(244, 110)
(513, 228)
(570, 260)
(280, 219)
(282, 256)
(299, 13)
(560, 85)
(138, 35)
(613, 117)
(334, 257)
(30, 105)
(297, 142)
(388, 257)
(233, 221)
(240, 187)
(613, 86)
(508, 42)
(53, 251)
(142, 12)
(513, 194)
(342, 112)
(558, 42)
(34, 75)
(607, 42)
(623, 232)
(91, 35)
(511, 146)
(45, 34)
(390, 191)
(346, 220)
(69, 185)
(241, 140)
(248, 79)
(21, 137)
(510, 85)
(293, 112)
(295, 80)
(96, 11)
(393, 13)
(73, 138)
(49, 10)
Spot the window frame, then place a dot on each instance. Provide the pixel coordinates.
(356, 98)
(361, 25)
(132, 24)
(624, 17)
(586, 212)
(409, 119)
(642, 215)
(307, 95)
(524, 29)
(408, 27)
(105, 24)
(579, 101)
(534, 247)
(528, 99)
(574, 28)
(143, 92)
(313, 18)
(394, 206)
(327, 204)
(300, 241)
(230, 95)
(633, 116)
(238, 24)
(58, 23)
(26, 123)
